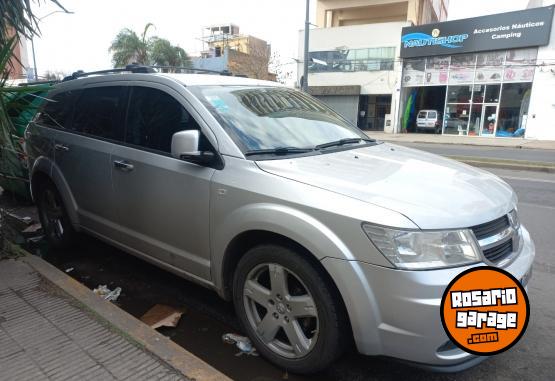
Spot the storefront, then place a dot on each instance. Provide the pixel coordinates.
(476, 74)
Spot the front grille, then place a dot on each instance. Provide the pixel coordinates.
(490, 228)
(497, 253)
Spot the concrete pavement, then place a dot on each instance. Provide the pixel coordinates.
(54, 328)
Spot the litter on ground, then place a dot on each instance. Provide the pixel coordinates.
(243, 343)
(162, 316)
(107, 294)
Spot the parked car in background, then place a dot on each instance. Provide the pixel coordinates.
(455, 126)
(319, 235)
(428, 120)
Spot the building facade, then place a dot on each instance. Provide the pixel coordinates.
(227, 50)
(354, 55)
(19, 64)
(489, 76)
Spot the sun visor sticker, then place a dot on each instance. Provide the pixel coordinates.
(218, 103)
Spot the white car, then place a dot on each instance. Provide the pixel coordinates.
(428, 120)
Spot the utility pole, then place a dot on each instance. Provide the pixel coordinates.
(34, 59)
(305, 58)
(33, 43)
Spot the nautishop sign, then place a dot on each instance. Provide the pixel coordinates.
(530, 27)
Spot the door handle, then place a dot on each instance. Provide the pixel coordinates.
(122, 165)
(61, 147)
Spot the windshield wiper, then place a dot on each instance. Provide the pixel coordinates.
(278, 151)
(343, 142)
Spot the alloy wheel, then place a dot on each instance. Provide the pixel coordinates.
(281, 310)
(53, 213)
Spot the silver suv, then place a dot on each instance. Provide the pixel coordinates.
(320, 235)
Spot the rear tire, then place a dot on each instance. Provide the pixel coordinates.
(53, 216)
(292, 314)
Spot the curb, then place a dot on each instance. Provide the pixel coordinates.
(505, 164)
(175, 356)
(522, 144)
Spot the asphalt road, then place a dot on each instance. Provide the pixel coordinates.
(505, 153)
(207, 317)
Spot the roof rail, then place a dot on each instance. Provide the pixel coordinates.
(133, 68)
(136, 68)
(191, 69)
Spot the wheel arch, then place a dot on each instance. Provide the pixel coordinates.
(246, 240)
(44, 169)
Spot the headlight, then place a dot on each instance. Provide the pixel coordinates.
(423, 250)
(513, 219)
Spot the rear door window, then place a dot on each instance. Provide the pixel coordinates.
(422, 115)
(153, 117)
(432, 114)
(57, 111)
(100, 112)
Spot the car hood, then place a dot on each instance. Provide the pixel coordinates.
(432, 191)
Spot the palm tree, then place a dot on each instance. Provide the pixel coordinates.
(18, 16)
(17, 104)
(128, 47)
(163, 53)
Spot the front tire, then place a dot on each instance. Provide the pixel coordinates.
(53, 216)
(288, 309)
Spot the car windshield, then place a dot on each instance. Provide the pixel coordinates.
(270, 118)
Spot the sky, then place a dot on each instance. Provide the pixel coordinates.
(70, 42)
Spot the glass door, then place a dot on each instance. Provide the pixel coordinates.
(475, 123)
(489, 120)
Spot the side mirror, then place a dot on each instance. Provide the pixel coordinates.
(185, 146)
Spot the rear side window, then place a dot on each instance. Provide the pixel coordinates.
(57, 110)
(99, 112)
(421, 114)
(153, 117)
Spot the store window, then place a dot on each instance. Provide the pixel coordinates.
(513, 109)
(478, 93)
(459, 94)
(520, 65)
(489, 67)
(436, 70)
(492, 93)
(462, 68)
(413, 72)
(456, 119)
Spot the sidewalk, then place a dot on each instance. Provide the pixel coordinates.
(464, 140)
(54, 328)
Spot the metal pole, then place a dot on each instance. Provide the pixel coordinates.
(34, 59)
(305, 58)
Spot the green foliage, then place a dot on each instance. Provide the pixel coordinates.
(128, 47)
(163, 53)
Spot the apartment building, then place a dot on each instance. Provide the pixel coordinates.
(226, 49)
(19, 63)
(354, 63)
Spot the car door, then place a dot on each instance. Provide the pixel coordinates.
(82, 153)
(163, 202)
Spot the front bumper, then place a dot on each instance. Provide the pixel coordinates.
(396, 313)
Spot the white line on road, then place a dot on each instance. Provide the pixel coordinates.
(537, 205)
(528, 179)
